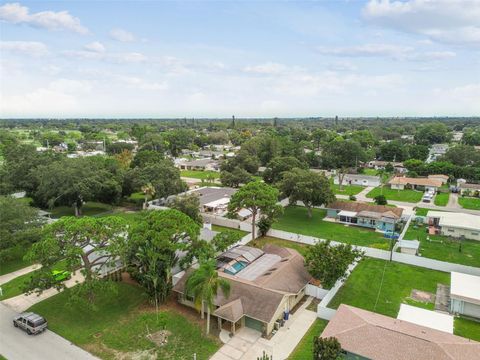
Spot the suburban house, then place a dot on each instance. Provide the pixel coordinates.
(380, 165)
(367, 335)
(265, 285)
(454, 224)
(378, 217)
(358, 179)
(467, 188)
(465, 294)
(436, 151)
(423, 184)
(199, 164)
(440, 177)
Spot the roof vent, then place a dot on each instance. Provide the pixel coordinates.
(267, 273)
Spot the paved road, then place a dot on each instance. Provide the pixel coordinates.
(15, 344)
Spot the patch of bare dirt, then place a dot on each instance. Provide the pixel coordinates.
(159, 338)
(423, 296)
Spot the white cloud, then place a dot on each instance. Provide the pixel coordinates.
(449, 21)
(386, 50)
(266, 68)
(30, 48)
(119, 58)
(121, 35)
(142, 84)
(95, 46)
(17, 14)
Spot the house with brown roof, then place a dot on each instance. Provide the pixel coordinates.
(264, 284)
(468, 188)
(365, 334)
(422, 184)
(440, 177)
(378, 217)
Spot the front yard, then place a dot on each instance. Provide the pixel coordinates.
(346, 189)
(469, 203)
(441, 199)
(304, 349)
(369, 289)
(15, 260)
(199, 174)
(118, 327)
(444, 248)
(295, 220)
(397, 195)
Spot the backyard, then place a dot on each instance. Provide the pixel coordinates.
(264, 240)
(295, 220)
(199, 174)
(396, 195)
(90, 208)
(369, 289)
(469, 203)
(444, 248)
(119, 325)
(441, 199)
(304, 349)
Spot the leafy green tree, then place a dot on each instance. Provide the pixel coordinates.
(118, 147)
(19, 225)
(462, 155)
(432, 133)
(154, 242)
(392, 151)
(223, 240)
(91, 244)
(188, 204)
(146, 157)
(278, 166)
(259, 198)
(380, 200)
(235, 178)
(326, 349)
(329, 263)
(203, 284)
(304, 185)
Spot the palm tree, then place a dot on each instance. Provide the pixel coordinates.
(149, 191)
(203, 284)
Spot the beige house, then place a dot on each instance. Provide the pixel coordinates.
(402, 183)
(264, 284)
(366, 335)
(467, 188)
(440, 177)
(456, 225)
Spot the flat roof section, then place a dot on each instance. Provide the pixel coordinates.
(427, 318)
(465, 287)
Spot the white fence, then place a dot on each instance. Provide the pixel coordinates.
(315, 291)
(383, 254)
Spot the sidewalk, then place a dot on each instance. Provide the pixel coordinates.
(10, 276)
(23, 302)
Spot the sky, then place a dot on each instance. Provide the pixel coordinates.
(68, 59)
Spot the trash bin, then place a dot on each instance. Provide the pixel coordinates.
(285, 315)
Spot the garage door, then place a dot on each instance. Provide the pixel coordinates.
(253, 324)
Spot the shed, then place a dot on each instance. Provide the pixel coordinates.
(465, 294)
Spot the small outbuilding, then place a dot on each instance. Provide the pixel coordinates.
(465, 294)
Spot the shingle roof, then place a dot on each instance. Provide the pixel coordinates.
(359, 206)
(381, 337)
(400, 180)
(469, 186)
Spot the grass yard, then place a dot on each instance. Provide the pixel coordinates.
(347, 189)
(224, 228)
(370, 172)
(15, 261)
(441, 199)
(364, 287)
(469, 203)
(261, 242)
(444, 248)
(467, 328)
(90, 208)
(294, 219)
(117, 328)
(199, 174)
(397, 195)
(304, 349)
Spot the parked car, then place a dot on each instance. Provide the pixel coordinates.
(30, 322)
(61, 275)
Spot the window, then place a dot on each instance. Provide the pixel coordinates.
(474, 233)
(372, 222)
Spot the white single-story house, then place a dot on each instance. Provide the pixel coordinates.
(465, 294)
(455, 224)
(440, 177)
(358, 179)
(402, 183)
(199, 164)
(380, 165)
(428, 318)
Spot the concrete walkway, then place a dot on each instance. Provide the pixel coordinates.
(15, 344)
(453, 201)
(247, 344)
(362, 195)
(10, 276)
(23, 302)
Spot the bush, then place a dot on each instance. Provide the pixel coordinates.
(352, 198)
(380, 200)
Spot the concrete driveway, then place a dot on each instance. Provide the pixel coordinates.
(15, 344)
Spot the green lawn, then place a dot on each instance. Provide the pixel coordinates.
(441, 199)
(397, 195)
(90, 208)
(117, 328)
(304, 349)
(467, 328)
(365, 284)
(261, 242)
(224, 228)
(370, 172)
(198, 174)
(15, 261)
(444, 248)
(347, 189)
(294, 219)
(469, 203)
